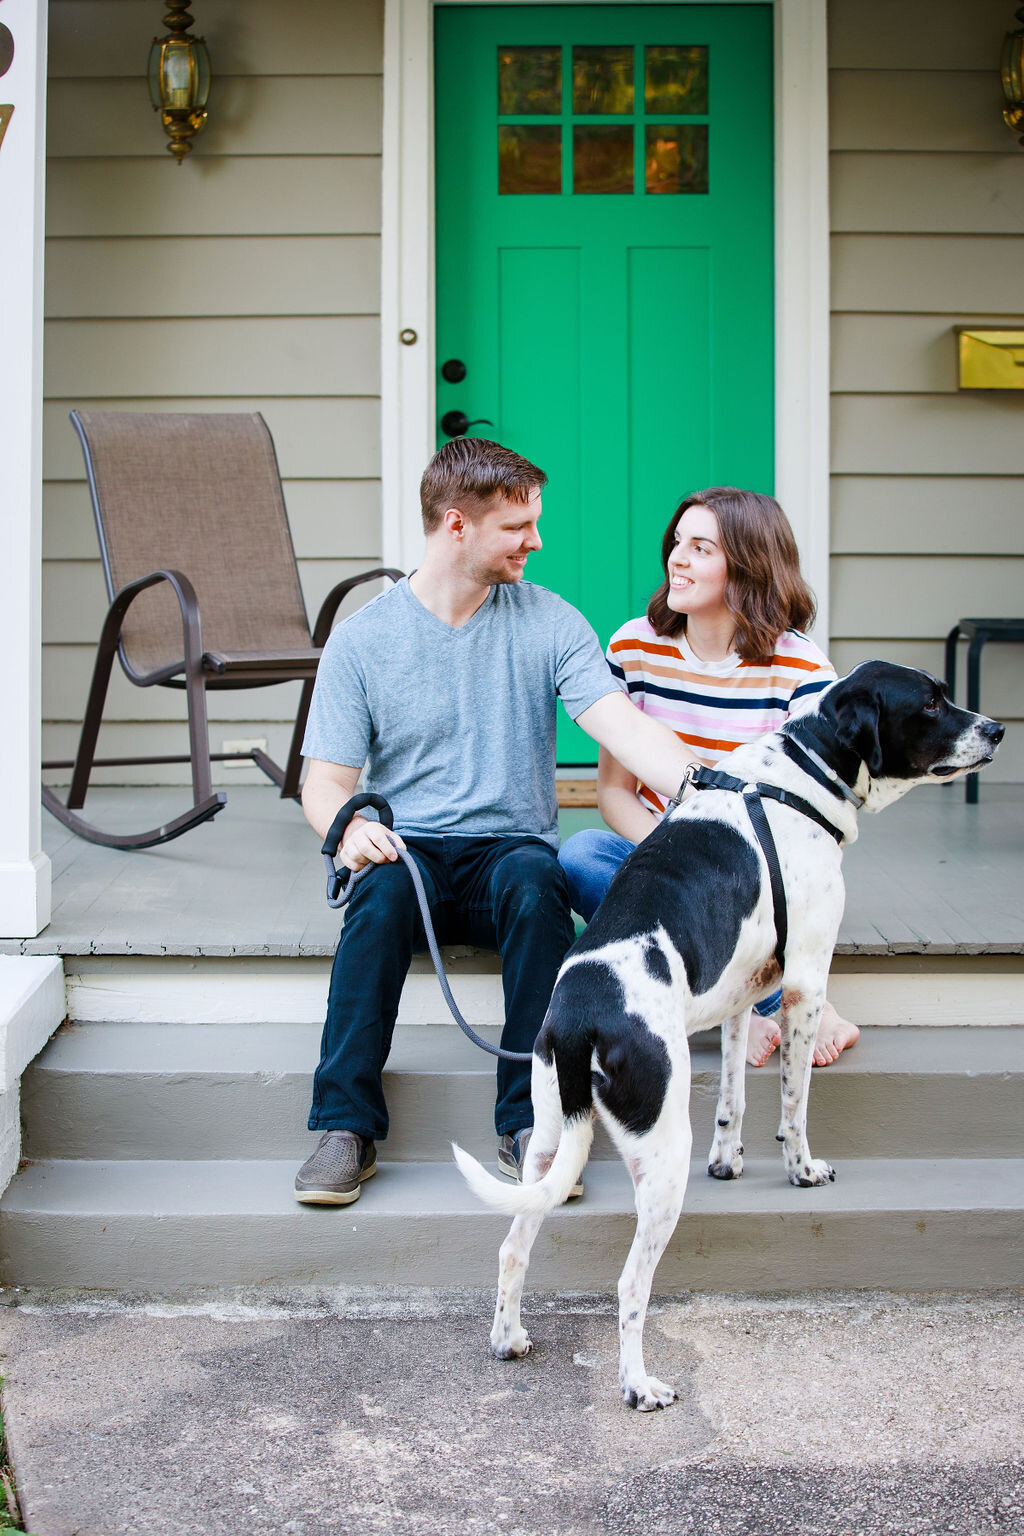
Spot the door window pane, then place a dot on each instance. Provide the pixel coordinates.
(677, 157)
(529, 80)
(676, 79)
(602, 159)
(602, 79)
(529, 158)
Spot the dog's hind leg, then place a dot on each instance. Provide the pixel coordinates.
(659, 1163)
(801, 1010)
(725, 1160)
(509, 1338)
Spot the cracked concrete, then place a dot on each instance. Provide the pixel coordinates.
(318, 1411)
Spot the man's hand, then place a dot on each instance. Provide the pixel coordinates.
(328, 786)
(368, 842)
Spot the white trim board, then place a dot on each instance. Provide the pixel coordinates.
(801, 275)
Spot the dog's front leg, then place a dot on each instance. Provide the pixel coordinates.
(801, 1011)
(725, 1160)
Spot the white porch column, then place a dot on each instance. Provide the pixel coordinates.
(24, 868)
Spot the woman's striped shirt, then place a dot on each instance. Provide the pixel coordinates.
(714, 706)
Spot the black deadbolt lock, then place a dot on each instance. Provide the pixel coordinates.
(453, 371)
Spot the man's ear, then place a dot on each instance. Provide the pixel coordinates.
(454, 521)
(857, 715)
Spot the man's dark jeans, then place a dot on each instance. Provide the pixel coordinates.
(503, 893)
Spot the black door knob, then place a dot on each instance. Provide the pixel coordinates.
(453, 371)
(457, 423)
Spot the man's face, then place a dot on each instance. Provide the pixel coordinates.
(496, 545)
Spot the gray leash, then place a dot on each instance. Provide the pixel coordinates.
(342, 883)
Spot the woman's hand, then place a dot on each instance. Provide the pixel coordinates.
(616, 800)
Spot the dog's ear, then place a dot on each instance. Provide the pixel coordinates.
(857, 726)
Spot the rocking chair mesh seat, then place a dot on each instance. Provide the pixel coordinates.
(203, 586)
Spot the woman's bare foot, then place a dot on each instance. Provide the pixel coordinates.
(835, 1035)
(763, 1037)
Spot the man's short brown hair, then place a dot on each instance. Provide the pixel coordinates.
(471, 473)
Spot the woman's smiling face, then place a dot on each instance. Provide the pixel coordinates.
(696, 567)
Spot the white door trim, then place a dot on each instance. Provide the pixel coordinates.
(801, 275)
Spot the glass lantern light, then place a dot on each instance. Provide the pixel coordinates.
(1013, 77)
(179, 79)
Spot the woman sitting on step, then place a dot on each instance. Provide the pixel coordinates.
(720, 657)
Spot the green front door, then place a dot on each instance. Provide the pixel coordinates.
(604, 269)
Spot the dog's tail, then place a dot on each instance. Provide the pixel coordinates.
(551, 1190)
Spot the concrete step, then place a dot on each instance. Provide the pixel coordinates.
(107, 1091)
(915, 1225)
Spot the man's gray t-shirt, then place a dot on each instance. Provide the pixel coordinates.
(457, 726)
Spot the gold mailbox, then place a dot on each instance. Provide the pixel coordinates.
(992, 358)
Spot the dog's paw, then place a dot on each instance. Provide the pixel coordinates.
(725, 1160)
(647, 1395)
(724, 1168)
(812, 1171)
(510, 1346)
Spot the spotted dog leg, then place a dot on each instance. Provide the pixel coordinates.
(509, 1339)
(659, 1163)
(801, 1011)
(725, 1160)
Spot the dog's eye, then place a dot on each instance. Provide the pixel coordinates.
(934, 708)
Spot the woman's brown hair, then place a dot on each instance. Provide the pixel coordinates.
(764, 590)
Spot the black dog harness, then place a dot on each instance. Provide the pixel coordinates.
(753, 794)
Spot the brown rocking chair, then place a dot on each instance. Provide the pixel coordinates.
(203, 588)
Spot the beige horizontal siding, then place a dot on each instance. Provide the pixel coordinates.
(901, 354)
(248, 115)
(184, 276)
(319, 439)
(927, 206)
(946, 514)
(281, 355)
(916, 34)
(929, 110)
(247, 279)
(100, 38)
(146, 738)
(976, 433)
(928, 193)
(929, 274)
(908, 597)
(269, 195)
(324, 515)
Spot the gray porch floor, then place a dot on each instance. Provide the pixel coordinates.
(929, 875)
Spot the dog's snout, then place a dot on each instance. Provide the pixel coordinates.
(994, 730)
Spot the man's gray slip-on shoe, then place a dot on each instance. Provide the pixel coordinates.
(512, 1156)
(340, 1164)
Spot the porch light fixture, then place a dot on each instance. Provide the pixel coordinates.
(1013, 77)
(179, 79)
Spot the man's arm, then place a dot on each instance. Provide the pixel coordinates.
(327, 787)
(648, 749)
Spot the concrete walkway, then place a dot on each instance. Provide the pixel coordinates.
(382, 1413)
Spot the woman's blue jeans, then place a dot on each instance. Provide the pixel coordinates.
(590, 858)
(503, 893)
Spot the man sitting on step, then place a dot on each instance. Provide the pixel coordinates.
(445, 686)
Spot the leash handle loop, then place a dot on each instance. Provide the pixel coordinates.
(342, 883)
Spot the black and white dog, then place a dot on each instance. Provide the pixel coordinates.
(687, 937)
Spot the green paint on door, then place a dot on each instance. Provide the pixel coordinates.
(621, 337)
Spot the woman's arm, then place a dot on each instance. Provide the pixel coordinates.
(617, 801)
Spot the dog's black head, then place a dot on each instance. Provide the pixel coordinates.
(900, 726)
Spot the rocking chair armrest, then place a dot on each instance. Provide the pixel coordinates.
(337, 595)
(192, 630)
